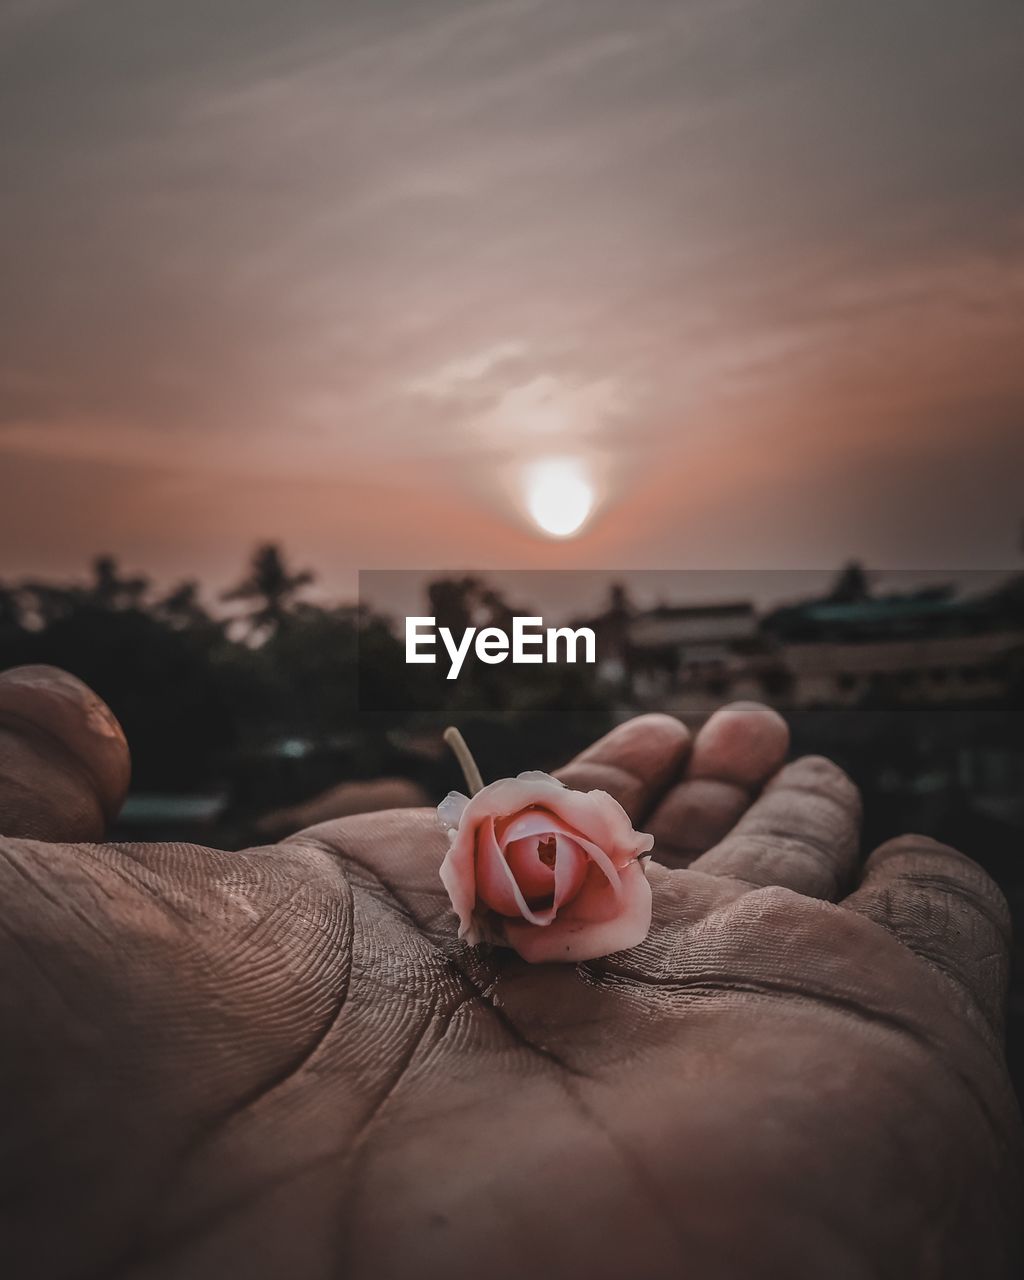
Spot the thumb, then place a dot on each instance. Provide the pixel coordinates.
(64, 763)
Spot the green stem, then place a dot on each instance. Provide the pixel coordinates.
(462, 753)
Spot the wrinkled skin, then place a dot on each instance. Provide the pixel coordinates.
(280, 1063)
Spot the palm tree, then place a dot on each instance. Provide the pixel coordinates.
(182, 608)
(109, 590)
(272, 587)
(851, 585)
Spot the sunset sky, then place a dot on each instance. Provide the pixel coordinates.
(338, 273)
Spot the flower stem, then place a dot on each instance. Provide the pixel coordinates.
(462, 753)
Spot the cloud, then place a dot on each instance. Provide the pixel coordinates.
(550, 411)
(465, 373)
(349, 234)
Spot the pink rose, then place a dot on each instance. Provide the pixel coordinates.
(552, 873)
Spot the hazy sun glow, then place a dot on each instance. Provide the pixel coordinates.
(559, 496)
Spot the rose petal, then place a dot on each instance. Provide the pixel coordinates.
(571, 936)
(571, 867)
(560, 881)
(451, 809)
(533, 876)
(594, 813)
(536, 820)
(458, 875)
(492, 880)
(496, 885)
(598, 899)
(537, 775)
(530, 822)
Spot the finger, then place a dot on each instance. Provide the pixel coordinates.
(802, 834)
(635, 762)
(743, 743)
(735, 753)
(945, 908)
(64, 762)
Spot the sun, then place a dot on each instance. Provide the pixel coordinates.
(559, 496)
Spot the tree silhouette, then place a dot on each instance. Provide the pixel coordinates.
(10, 607)
(44, 603)
(851, 585)
(182, 608)
(273, 589)
(109, 590)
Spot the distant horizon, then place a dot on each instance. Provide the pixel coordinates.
(562, 594)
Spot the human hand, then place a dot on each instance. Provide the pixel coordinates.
(280, 1062)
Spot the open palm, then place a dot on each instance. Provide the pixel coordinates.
(280, 1063)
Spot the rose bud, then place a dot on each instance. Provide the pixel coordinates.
(552, 873)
